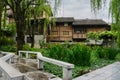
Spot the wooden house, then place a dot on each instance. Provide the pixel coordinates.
(62, 31)
(69, 29)
(83, 26)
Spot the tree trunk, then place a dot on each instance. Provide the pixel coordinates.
(32, 38)
(33, 31)
(20, 27)
(0, 25)
(1, 9)
(20, 24)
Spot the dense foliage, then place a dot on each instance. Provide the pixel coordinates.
(22, 10)
(114, 11)
(77, 54)
(102, 35)
(8, 35)
(108, 38)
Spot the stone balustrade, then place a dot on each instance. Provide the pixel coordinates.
(67, 67)
(7, 72)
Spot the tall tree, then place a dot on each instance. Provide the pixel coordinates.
(114, 12)
(38, 13)
(20, 9)
(1, 10)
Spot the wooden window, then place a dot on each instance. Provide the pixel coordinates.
(54, 32)
(65, 24)
(79, 30)
(65, 32)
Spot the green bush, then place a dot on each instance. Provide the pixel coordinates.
(59, 52)
(8, 48)
(94, 55)
(54, 69)
(106, 52)
(26, 47)
(81, 55)
(9, 30)
(76, 54)
(101, 52)
(6, 41)
(42, 43)
(111, 53)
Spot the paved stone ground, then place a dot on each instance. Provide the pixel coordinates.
(110, 72)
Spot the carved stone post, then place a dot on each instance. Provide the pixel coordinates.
(67, 74)
(1, 73)
(40, 64)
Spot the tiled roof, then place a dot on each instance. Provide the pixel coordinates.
(89, 22)
(64, 19)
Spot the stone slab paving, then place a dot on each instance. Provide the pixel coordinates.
(110, 72)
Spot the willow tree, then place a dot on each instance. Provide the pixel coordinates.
(37, 13)
(1, 10)
(20, 9)
(114, 10)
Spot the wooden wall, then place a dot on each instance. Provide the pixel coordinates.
(61, 33)
(82, 35)
(67, 33)
(96, 29)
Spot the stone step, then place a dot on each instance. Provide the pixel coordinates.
(40, 75)
(23, 68)
(32, 73)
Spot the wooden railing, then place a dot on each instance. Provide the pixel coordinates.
(67, 67)
(79, 36)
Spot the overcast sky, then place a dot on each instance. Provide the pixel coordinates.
(81, 9)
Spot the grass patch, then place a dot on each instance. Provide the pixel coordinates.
(78, 70)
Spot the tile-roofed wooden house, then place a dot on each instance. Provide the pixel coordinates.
(83, 26)
(63, 29)
(70, 29)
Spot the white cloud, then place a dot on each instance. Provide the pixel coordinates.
(81, 9)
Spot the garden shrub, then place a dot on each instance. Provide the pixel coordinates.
(6, 41)
(81, 55)
(42, 43)
(27, 47)
(111, 53)
(106, 52)
(101, 52)
(118, 56)
(9, 30)
(51, 68)
(94, 55)
(59, 52)
(8, 48)
(76, 54)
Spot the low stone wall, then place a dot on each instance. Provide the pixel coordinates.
(10, 73)
(37, 38)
